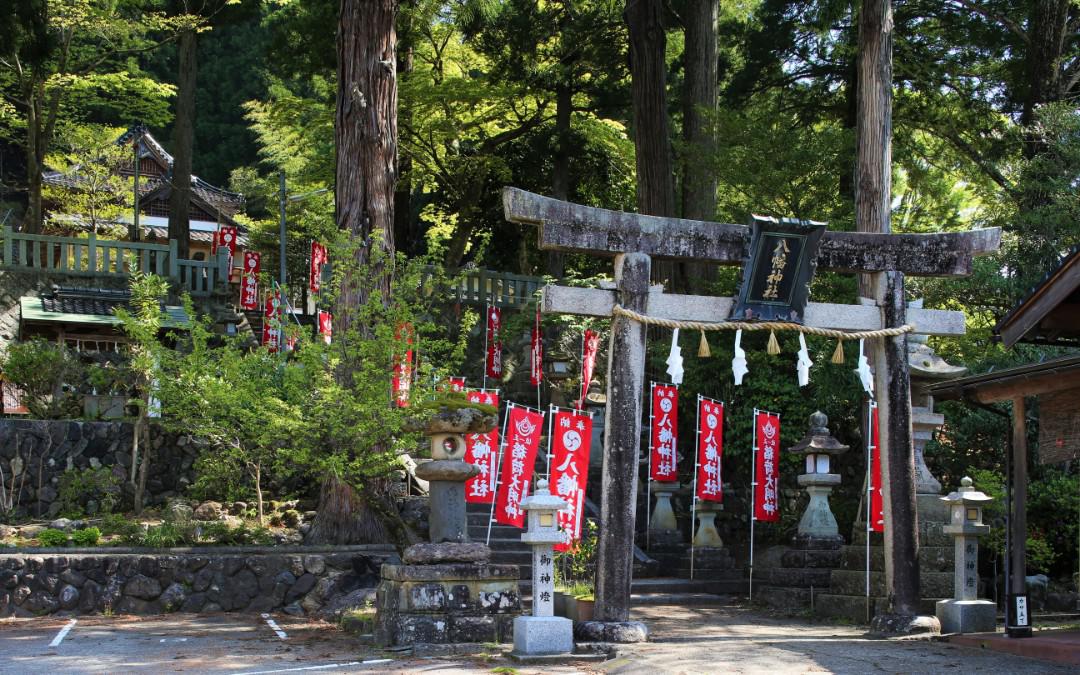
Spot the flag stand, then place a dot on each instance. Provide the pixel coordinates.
(648, 481)
(487, 320)
(753, 497)
(498, 477)
(551, 419)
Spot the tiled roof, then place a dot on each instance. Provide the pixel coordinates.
(72, 300)
(155, 233)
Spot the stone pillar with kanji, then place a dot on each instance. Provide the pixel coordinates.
(965, 613)
(543, 633)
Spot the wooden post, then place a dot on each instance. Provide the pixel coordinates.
(626, 381)
(1018, 517)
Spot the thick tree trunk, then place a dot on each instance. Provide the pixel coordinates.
(560, 166)
(35, 163)
(873, 188)
(183, 142)
(699, 99)
(366, 140)
(652, 136)
(1047, 25)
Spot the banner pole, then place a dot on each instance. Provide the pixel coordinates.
(753, 502)
(487, 320)
(648, 481)
(693, 497)
(551, 418)
(869, 496)
(498, 462)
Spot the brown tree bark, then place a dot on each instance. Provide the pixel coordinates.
(560, 165)
(892, 382)
(1047, 26)
(648, 88)
(183, 142)
(365, 134)
(699, 181)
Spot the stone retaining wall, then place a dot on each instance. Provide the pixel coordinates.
(320, 582)
(46, 448)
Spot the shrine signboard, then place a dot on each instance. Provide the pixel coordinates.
(778, 271)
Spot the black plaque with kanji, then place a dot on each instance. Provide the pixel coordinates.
(778, 271)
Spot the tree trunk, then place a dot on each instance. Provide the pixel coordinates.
(652, 137)
(366, 141)
(365, 138)
(699, 98)
(560, 166)
(1047, 25)
(873, 188)
(259, 493)
(183, 143)
(144, 467)
(35, 162)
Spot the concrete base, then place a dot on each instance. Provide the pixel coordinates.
(966, 616)
(543, 635)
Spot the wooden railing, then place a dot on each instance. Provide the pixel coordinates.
(502, 289)
(93, 257)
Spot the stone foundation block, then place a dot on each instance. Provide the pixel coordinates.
(543, 635)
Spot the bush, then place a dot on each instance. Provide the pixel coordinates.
(87, 537)
(77, 487)
(45, 372)
(168, 535)
(115, 523)
(52, 538)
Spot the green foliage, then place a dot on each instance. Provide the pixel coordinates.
(47, 373)
(86, 537)
(51, 538)
(576, 568)
(118, 524)
(96, 194)
(167, 535)
(78, 486)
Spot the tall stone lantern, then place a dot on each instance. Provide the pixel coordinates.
(818, 524)
(543, 633)
(965, 613)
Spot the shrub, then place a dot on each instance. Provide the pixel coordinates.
(87, 537)
(168, 535)
(115, 523)
(52, 538)
(78, 486)
(44, 371)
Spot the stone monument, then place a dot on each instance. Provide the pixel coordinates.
(446, 591)
(965, 613)
(543, 633)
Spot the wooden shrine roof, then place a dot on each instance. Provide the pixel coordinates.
(1032, 379)
(1050, 314)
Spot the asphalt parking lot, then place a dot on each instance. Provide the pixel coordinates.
(224, 643)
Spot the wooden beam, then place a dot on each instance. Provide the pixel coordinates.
(1044, 299)
(1026, 385)
(599, 302)
(568, 227)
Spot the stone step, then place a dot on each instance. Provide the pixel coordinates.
(853, 607)
(930, 534)
(931, 558)
(793, 577)
(853, 582)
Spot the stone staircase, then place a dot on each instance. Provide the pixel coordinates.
(846, 596)
(508, 549)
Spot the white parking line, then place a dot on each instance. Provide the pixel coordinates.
(295, 670)
(276, 628)
(173, 640)
(63, 633)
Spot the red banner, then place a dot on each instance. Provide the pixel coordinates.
(272, 322)
(523, 428)
(570, 444)
(226, 236)
(664, 438)
(708, 480)
(493, 363)
(249, 283)
(481, 450)
(326, 325)
(591, 345)
(877, 506)
(457, 384)
(403, 367)
(767, 467)
(536, 372)
(318, 259)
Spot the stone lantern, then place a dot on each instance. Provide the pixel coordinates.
(966, 613)
(543, 633)
(447, 471)
(819, 446)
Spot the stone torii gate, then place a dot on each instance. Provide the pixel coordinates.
(634, 240)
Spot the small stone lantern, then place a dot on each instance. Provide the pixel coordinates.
(819, 446)
(966, 613)
(543, 633)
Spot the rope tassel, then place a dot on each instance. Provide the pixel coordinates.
(774, 346)
(838, 353)
(703, 347)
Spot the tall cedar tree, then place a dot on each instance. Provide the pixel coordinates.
(365, 136)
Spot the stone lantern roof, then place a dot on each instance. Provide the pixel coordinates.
(818, 440)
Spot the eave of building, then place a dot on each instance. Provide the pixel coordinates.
(1003, 385)
(1051, 311)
